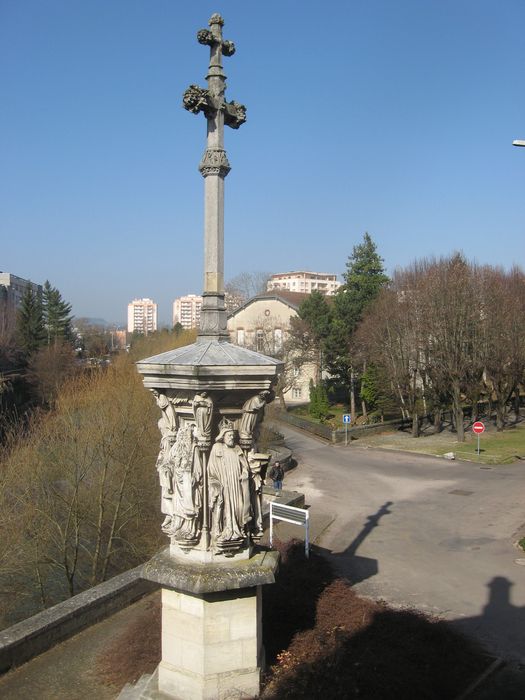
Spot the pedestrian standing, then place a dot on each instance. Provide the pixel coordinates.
(277, 476)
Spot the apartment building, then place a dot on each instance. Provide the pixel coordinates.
(187, 311)
(12, 290)
(304, 282)
(142, 316)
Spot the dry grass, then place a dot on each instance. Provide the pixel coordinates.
(324, 641)
(352, 647)
(495, 448)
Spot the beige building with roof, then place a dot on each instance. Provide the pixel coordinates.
(262, 325)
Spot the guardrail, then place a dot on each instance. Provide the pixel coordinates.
(338, 435)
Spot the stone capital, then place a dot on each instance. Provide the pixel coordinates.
(214, 162)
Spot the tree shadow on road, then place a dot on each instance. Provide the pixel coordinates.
(348, 563)
(345, 646)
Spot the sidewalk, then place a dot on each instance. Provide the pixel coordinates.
(68, 671)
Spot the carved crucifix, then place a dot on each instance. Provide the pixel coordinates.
(214, 167)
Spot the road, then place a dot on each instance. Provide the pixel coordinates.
(423, 532)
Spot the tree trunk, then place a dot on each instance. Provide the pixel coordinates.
(438, 422)
(352, 395)
(363, 408)
(500, 415)
(516, 403)
(457, 411)
(475, 408)
(415, 424)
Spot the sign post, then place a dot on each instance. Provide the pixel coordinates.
(291, 514)
(347, 419)
(478, 427)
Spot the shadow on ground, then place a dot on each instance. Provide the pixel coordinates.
(325, 641)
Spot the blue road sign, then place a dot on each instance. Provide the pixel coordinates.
(347, 418)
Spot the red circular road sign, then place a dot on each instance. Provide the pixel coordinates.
(478, 427)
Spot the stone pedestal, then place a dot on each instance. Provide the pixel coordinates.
(211, 626)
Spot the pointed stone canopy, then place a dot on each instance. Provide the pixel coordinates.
(210, 365)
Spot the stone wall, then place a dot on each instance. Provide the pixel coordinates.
(38, 633)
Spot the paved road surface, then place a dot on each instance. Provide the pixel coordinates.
(423, 532)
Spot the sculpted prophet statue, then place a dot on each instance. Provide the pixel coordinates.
(185, 462)
(202, 407)
(252, 415)
(168, 426)
(229, 490)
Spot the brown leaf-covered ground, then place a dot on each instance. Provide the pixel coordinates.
(324, 641)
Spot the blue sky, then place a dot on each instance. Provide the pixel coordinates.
(392, 117)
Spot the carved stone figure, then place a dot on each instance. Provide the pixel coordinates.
(186, 467)
(252, 415)
(229, 491)
(202, 407)
(168, 425)
(258, 463)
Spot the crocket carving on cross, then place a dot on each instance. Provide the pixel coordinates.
(214, 167)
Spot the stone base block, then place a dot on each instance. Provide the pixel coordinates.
(211, 644)
(211, 626)
(174, 683)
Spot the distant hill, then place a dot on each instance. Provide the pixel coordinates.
(86, 321)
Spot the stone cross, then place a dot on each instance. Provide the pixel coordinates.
(214, 167)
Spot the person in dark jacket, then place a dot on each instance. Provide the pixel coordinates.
(277, 476)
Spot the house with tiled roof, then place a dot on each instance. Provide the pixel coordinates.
(262, 324)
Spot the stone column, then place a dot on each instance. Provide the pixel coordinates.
(211, 627)
(214, 167)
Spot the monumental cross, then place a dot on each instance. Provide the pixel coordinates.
(214, 167)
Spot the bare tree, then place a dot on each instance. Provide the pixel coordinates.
(48, 368)
(244, 286)
(391, 336)
(503, 320)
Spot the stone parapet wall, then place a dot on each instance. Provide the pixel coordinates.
(38, 633)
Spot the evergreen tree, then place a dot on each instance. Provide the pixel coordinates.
(56, 313)
(30, 329)
(316, 312)
(308, 337)
(319, 405)
(364, 277)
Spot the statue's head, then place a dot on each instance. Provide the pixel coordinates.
(229, 438)
(225, 426)
(162, 399)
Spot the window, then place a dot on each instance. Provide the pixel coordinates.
(296, 393)
(240, 336)
(296, 371)
(260, 340)
(277, 340)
